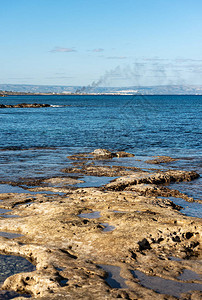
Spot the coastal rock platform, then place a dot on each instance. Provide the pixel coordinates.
(88, 243)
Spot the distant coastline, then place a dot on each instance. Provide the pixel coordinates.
(7, 94)
(23, 89)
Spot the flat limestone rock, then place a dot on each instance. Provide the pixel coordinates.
(64, 236)
(165, 177)
(60, 182)
(96, 170)
(157, 191)
(161, 159)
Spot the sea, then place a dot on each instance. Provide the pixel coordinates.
(35, 142)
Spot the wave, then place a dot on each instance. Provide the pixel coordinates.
(53, 105)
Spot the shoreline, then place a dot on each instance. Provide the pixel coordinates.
(7, 94)
(79, 237)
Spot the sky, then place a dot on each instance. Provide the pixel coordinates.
(101, 42)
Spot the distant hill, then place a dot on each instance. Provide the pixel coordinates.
(143, 90)
(24, 88)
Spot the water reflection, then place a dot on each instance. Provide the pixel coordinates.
(165, 286)
(11, 264)
(91, 215)
(114, 278)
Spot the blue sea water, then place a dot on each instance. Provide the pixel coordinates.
(140, 123)
(35, 142)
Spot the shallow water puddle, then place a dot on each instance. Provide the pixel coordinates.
(46, 192)
(91, 215)
(114, 279)
(95, 181)
(165, 286)
(25, 203)
(10, 235)
(174, 258)
(9, 216)
(191, 188)
(191, 209)
(7, 295)
(8, 188)
(189, 275)
(3, 211)
(11, 264)
(108, 227)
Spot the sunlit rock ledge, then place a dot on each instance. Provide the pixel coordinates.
(64, 236)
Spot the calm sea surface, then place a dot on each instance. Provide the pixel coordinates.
(35, 142)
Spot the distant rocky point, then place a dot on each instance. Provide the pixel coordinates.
(24, 105)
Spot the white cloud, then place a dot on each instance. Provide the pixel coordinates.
(60, 77)
(155, 59)
(61, 49)
(98, 50)
(185, 60)
(116, 57)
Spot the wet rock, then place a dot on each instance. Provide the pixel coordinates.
(11, 200)
(25, 105)
(61, 181)
(160, 160)
(103, 153)
(92, 170)
(100, 154)
(124, 154)
(160, 177)
(80, 156)
(157, 191)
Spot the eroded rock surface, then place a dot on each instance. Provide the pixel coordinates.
(161, 159)
(100, 154)
(98, 170)
(61, 182)
(160, 177)
(68, 249)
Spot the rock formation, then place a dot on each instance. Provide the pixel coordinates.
(24, 105)
(64, 236)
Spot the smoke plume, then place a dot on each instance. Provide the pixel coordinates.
(141, 73)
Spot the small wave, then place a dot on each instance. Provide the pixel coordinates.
(53, 105)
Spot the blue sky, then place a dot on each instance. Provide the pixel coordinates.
(109, 42)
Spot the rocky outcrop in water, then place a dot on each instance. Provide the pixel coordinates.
(100, 154)
(99, 170)
(24, 105)
(160, 177)
(160, 160)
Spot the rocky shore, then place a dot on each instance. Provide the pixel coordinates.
(123, 240)
(24, 105)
